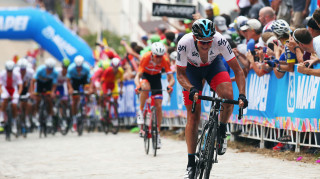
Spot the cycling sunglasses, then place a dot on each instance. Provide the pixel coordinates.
(158, 56)
(205, 42)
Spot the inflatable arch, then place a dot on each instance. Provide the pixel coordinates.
(46, 30)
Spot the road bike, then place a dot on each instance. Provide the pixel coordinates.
(110, 120)
(208, 142)
(149, 129)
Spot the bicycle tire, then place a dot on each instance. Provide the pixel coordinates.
(114, 122)
(8, 123)
(104, 122)
(146, 138)
(154, 132)
(63, 122)
(210, 149)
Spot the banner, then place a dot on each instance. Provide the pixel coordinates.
(291, 102)
(45, 29)
(127, 104)
(173, 10)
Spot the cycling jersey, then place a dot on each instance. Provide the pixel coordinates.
(9, 85)
(73, 73)
(27, 76)
(188, 53)
(150, 67)
(111, 80)
(42, 75)
(213, 71)
(62, 83)
(288, 56)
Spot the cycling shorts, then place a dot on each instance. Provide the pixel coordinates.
(43, 87)
(77, 82)
(214, 74)
(10, 92)
(155, 82)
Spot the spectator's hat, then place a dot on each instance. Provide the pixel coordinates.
(208, 6)
(187, 21)
(144, 37)
(155, 38)
(239, 22)
(251, 24)
(220, 22)
(312, 24)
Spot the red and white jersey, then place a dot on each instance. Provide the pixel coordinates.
(28, 76)
(188, 53)
(267, 27)
(12, 82)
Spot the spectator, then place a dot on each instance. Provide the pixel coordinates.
(169, 40)
(300, 11)
(283, 9)
(221, 27)
(239, 36)
(228, 19)
(209, 11)
(252, 31)
(266, 17)
(316, 16)
(144, 40)
(305, 41)
(161, 29)
(216, 9)
(256, 5)
(244, 7)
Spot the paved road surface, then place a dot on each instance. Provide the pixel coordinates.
(97, 155)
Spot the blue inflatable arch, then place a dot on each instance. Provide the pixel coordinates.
(46, 30)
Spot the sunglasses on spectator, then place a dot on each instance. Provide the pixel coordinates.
(294, 37)
(205, 42)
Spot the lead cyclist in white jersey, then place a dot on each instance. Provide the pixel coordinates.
(199, 57)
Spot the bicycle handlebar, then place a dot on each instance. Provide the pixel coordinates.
(219, 100)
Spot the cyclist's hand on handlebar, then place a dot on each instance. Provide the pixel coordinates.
(138, 88)
(243, 102)
(193, 91)
(169, 89)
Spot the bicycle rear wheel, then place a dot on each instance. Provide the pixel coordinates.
(63, 119)
(114, 122)
(210, 149)
(154, 132)
(146, 138)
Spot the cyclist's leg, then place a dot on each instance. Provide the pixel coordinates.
(219, 80)
(155, 84)
(145, 85)
(195, 77)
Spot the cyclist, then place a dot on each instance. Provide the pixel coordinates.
(111, 77)
(78, 74)
(62, 79)
(26, 72)
(10, 86)
(199, 57)
(46, 78)
(149, 70)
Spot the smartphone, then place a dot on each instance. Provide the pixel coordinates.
(271, 46)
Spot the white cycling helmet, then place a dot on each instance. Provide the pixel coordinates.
(9, 65)
(280, 27)
(50, 63)
(23, 63)
(158, 48)
(173, 55)
(115, 62)
(78, 60)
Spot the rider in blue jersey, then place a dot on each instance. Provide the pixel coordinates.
(46, 82)
(78, 74)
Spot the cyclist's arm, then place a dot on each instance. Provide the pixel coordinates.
(69, 85)
(170, 79)
(239, 75)
(20, 89)
(182, 78)
(137, 78)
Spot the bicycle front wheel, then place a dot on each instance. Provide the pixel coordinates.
(210, 149)
(146, 138)
(114, 122)
(154, 132)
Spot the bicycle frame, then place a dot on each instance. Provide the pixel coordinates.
(149, 106)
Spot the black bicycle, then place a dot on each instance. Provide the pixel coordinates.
(208, 143)
(62, 115)
(43, 114)
(8, 125)
(81, 115)
(111, 120)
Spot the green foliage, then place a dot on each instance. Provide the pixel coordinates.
(112, 39)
